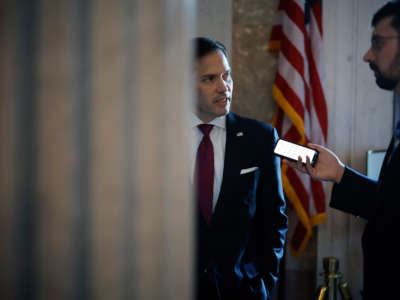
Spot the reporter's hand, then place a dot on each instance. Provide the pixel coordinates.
(328, 166)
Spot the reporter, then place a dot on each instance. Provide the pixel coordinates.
(377, 201)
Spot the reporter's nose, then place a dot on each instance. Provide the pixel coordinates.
(368, 56)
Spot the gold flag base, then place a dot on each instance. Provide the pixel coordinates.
(333, 281)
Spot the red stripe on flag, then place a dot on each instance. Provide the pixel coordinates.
(283, 4)
(278, 119)
(317, 11)
(293, 55)
(298, 237)
(300, 189)
(319, 195)
(319, 98)
(292, 135)
(296, 14)
(276, 33)
(296, 59)
(287, 90)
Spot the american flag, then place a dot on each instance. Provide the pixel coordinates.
(301, 114)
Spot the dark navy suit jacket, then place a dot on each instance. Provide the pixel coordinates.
(379, 203)
(241, 249)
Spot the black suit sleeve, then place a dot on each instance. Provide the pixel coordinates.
(355, 194)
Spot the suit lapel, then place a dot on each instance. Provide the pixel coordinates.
(234, 143)
(389, 165)
(386, 159)
(393, 149)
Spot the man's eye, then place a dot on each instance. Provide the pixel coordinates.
(206, 79)
(376, 42)
(227, 76)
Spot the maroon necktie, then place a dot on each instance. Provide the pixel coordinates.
(205, 172)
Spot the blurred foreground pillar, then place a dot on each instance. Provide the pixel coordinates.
(95, 201)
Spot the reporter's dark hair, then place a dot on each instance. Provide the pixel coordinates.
(204, 46)
(390, 9)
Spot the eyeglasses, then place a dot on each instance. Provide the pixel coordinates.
(377, 41)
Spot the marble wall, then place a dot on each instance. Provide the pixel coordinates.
(214, 20)
(253, 66)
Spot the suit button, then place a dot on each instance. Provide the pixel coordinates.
(205, 270)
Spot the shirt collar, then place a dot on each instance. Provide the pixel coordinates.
(219, 122)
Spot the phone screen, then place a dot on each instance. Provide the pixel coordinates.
(292, 151)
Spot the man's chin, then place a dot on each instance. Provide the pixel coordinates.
(386, 84)
(221, 113)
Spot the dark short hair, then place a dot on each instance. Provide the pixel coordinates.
(390, 9)
(204, 46)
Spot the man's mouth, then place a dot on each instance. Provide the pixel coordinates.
(373, 67)
(222, 100)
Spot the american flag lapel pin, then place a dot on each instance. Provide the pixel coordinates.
(239, 133)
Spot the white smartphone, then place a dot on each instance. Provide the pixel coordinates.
(292, 151)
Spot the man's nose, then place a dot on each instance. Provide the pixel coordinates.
(368, 56)
(222, 85)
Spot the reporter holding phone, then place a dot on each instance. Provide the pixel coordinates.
(376, 201)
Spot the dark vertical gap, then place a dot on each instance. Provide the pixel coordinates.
(282, 279)
(82, 73)
(396, 109)
(129, 23)
(26, 214)
(8, 82)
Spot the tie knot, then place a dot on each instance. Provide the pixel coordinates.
(205, 129)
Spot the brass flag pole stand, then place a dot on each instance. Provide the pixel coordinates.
(333, 281)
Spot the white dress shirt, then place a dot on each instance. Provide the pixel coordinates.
(218, 139)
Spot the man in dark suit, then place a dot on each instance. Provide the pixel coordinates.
(241, 223)
(376, 201)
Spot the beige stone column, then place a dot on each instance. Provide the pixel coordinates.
(95, 197)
